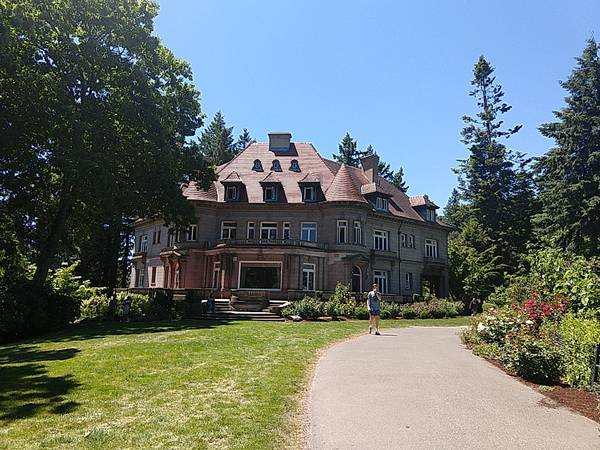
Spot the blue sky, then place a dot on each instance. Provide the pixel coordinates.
(394, 74)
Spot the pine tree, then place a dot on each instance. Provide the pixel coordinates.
(348, 152)
(568, 176)
(398, 180)
(244, 140)
(455, 212)
(492, 179)
(216, 141)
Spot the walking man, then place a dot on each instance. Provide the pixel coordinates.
(374, 307)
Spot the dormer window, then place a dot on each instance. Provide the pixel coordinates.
(309, 194)
(257, 167)
(430, 215)
(270, 194)
(382, 204)
(232, 193)
(276, 167)
(294, 166)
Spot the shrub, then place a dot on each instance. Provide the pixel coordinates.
(494, 325)
(535, 358)
(408, 312)
(308, 308)
(389, 310)
(538, 309)
(579, 335)
(489, 351)
(95, 307)
(361, 312)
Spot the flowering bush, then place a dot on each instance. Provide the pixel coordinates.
(538, 310)
(494, 325)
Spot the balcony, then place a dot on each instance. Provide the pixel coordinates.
(269, 243)
(435, 261)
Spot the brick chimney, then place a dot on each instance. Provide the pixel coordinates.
(279, 142)
(370, 166)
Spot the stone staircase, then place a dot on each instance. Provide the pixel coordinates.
(224, 311)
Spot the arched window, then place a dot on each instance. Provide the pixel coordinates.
(276, 167)
(257, 166)
(294, 166)
(356, 279)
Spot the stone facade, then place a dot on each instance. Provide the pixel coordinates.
(295, 222)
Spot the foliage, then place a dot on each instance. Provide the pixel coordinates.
(489, 351)
(244, 140)
(95, 120)
(494, 325)
(536, 358)
(579, 335)
(540, 310)
(348, 152)
(217, 142)
(514, 292)
(95, 307)
(568, 176)
(474, 267)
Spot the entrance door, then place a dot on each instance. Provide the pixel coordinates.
(356, 279)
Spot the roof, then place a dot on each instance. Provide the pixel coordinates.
(233, 177)
(344, 187)
(339, 182)
(422, 200)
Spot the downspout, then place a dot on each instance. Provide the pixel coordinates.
(399, 262)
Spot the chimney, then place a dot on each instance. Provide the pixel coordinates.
(279, 142)
(370, 166)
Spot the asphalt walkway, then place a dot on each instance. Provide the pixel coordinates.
(420, 388)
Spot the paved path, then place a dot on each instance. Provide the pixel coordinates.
(419, 388)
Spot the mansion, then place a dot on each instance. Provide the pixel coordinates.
(283, 220)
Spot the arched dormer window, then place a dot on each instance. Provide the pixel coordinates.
(257, 166)
(294, 166)
(276, 167)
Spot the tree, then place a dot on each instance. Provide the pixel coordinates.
(95, 111)
(244, 140)
(475, 269)
(398, 180)
(492, 180)
(455, 212)
(217, 143)
(568, 176)
(348, 152)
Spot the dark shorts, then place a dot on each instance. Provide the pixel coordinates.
(375, 312)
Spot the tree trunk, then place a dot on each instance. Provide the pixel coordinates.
(57, 231)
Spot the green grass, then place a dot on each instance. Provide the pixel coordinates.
(189, 384)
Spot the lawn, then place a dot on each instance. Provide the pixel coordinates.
(189, 384)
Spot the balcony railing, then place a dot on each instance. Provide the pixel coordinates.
(270, 242)
(435, 260)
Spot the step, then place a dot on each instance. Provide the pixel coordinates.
(242, 315)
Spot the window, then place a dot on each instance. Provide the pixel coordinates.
(153, 276)
(382, 204)
(276, 166)
(403, 239)
(257, 166)
(171, 238)
(270, 193)
(192, 233)
(286, 231)
(430, 215)
(294, 166)
(308, 194)
(260, 275)
(228, 230)
(380, 240)
(308, 277)
(216, 275)
(268, 230)
(251, 234)
(156, 237)
(357, 232)
(408, 281)
(231, 193)
(342, 231)
(381, 278)
(308, 232)
(411, 240)
(431, 248)
(144, 243)
(140, 276)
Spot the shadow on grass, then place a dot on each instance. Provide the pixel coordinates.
(26, 389)
(94, 330)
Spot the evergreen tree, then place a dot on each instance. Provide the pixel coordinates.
(492, 179)
(568, 176)
(244, 140)
(217, 142)
(398, 180)
(348, 152)
(455, 212)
